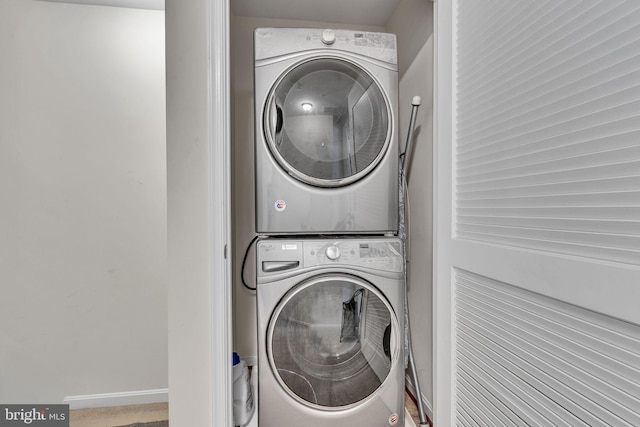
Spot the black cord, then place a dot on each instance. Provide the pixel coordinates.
(244, 262)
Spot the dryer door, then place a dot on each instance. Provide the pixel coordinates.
(327, 122)
(332, 341)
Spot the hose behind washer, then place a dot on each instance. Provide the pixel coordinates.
(403, 231)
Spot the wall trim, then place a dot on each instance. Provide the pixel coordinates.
(118, 399)
(220, 238)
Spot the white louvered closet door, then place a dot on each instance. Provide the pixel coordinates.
(537, 230)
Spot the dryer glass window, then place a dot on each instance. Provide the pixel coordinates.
(327, 122)
(332, 341)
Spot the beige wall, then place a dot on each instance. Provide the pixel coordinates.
(417, 81)
(83, 224)
(413, 24)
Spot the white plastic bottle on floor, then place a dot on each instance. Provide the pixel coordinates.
(242, 396)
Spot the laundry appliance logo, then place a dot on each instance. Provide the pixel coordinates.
(36, 415)
(280, 205)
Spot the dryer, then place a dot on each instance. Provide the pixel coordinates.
(330, 324)
(326, 148)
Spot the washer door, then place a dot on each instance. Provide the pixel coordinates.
(332, 341)
(327, 122)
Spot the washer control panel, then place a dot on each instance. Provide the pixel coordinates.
(328, 37)
(281, 255)
(333, 252)
(377, 254)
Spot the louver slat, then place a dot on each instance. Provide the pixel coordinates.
(548, 362)
(547, 136)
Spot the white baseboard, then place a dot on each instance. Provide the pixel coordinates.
(250, 360)
(408, 421)
(427, 405)
(118, 399)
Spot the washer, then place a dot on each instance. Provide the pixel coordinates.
(325, 131)
(330, 327)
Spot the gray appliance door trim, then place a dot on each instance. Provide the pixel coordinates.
(371, 99)
(362, 358)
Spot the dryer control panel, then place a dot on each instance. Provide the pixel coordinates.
(274, 42)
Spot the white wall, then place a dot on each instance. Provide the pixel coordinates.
(245, 334)
(413, 24)
(82, 178)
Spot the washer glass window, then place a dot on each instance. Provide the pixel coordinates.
(332, 341)
(327, 122)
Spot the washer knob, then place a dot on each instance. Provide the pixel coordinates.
(333, 252)
(328, 37)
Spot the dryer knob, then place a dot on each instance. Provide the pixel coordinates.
(328, 36)
(333, 252)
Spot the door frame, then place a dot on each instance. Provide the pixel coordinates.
(219, 101)
(443, 125)
(571, 279)
(199, 216)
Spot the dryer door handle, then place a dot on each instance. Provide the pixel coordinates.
(274, 266)
(276, 121)
(279, 119)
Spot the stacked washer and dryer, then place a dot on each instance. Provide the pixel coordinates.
(330, 267)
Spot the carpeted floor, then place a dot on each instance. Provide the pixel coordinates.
(122, 416)
(151, 424)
